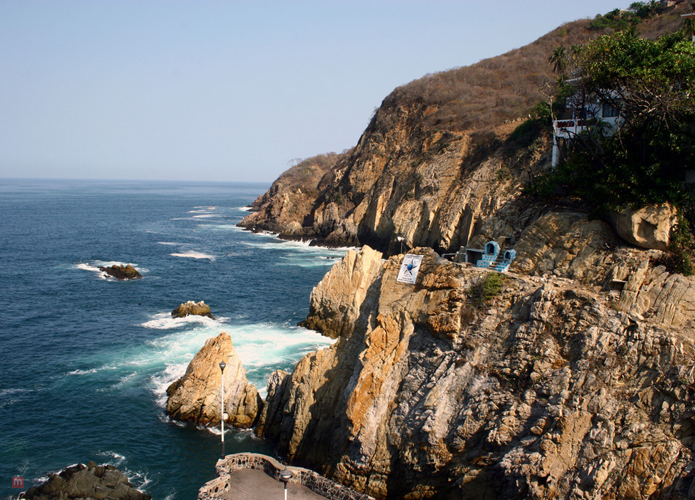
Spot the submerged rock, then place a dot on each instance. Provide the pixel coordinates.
(122, 272)
(549, 390)
(192, 308)
(89, 481)
(196, 396)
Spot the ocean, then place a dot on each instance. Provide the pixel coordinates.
(86, 359)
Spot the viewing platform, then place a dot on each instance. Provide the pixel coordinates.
(246, 476)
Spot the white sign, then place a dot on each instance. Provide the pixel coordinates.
(409, 268)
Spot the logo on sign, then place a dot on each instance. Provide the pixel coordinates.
(18, 482)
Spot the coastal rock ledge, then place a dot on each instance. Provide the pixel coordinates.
(548, 389)
(195, 397)
(88, 482)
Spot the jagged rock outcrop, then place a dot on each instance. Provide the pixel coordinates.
(196, 396)
(441, 156)
(87, 482)
(346, 287)
(192, 308)
(284, 206)
(550, 390)
(647, 227)
(122, 272)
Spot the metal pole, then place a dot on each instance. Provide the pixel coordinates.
(222, 365)
(285, 476)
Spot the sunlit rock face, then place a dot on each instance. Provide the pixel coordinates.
(647, 227)
(551, 389)
(196, 396)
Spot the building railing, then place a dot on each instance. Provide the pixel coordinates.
(320, 485)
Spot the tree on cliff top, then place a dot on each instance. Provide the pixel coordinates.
(643, 161)
(652, 83)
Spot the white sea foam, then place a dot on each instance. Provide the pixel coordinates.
(192, 254)
(206, 216)
(9, 397)
(116, 458)
(93, 266)
(82, 372)
(220, 227)
(138, 479)
(160, 383)
(244, 209)
(164, 321)
(171, 243)
(166, 419)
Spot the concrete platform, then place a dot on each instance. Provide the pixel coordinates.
(250, 484)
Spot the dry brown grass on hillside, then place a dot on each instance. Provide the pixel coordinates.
(307, 173)
(506, 87)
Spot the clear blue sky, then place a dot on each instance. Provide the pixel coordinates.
(227, 90)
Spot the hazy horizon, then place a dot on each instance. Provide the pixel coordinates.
(225, 91)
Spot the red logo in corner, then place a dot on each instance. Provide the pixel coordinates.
(18, 482)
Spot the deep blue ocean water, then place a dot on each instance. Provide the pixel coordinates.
(86, 360)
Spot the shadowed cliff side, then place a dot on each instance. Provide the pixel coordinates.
(547, 390)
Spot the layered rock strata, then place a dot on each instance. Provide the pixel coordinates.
(86, 482)
(196, 396)
(549, 390)
(192, 308)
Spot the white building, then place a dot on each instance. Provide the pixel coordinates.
(582, 112)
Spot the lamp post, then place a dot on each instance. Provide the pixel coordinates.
(400, 239)
(222, 365)
(285, 476)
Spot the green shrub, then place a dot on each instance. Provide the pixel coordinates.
(486, 289)
(681, 247)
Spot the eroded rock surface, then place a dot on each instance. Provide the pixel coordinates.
(122, 272)
(192, 308)
(551, 390)
(649, 227)
(336, 302)
(87, 482)
(196, 396)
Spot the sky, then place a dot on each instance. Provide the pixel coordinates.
(230, 90)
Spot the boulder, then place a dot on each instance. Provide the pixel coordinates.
(195, 397)
(122, 272)
(192, 308)
(89, 481)
(649, 227)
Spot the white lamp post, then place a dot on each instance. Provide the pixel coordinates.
(222, 365)
(400, 239)
(285, 476)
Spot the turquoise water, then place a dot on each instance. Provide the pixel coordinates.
(86, 360)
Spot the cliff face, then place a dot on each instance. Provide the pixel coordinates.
(429, 187)
(283, 208)
(441, 158)
(549, 390)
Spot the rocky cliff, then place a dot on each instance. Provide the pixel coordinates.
(196, 396)
(284, 207)
(442, 156)
(550, 389)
